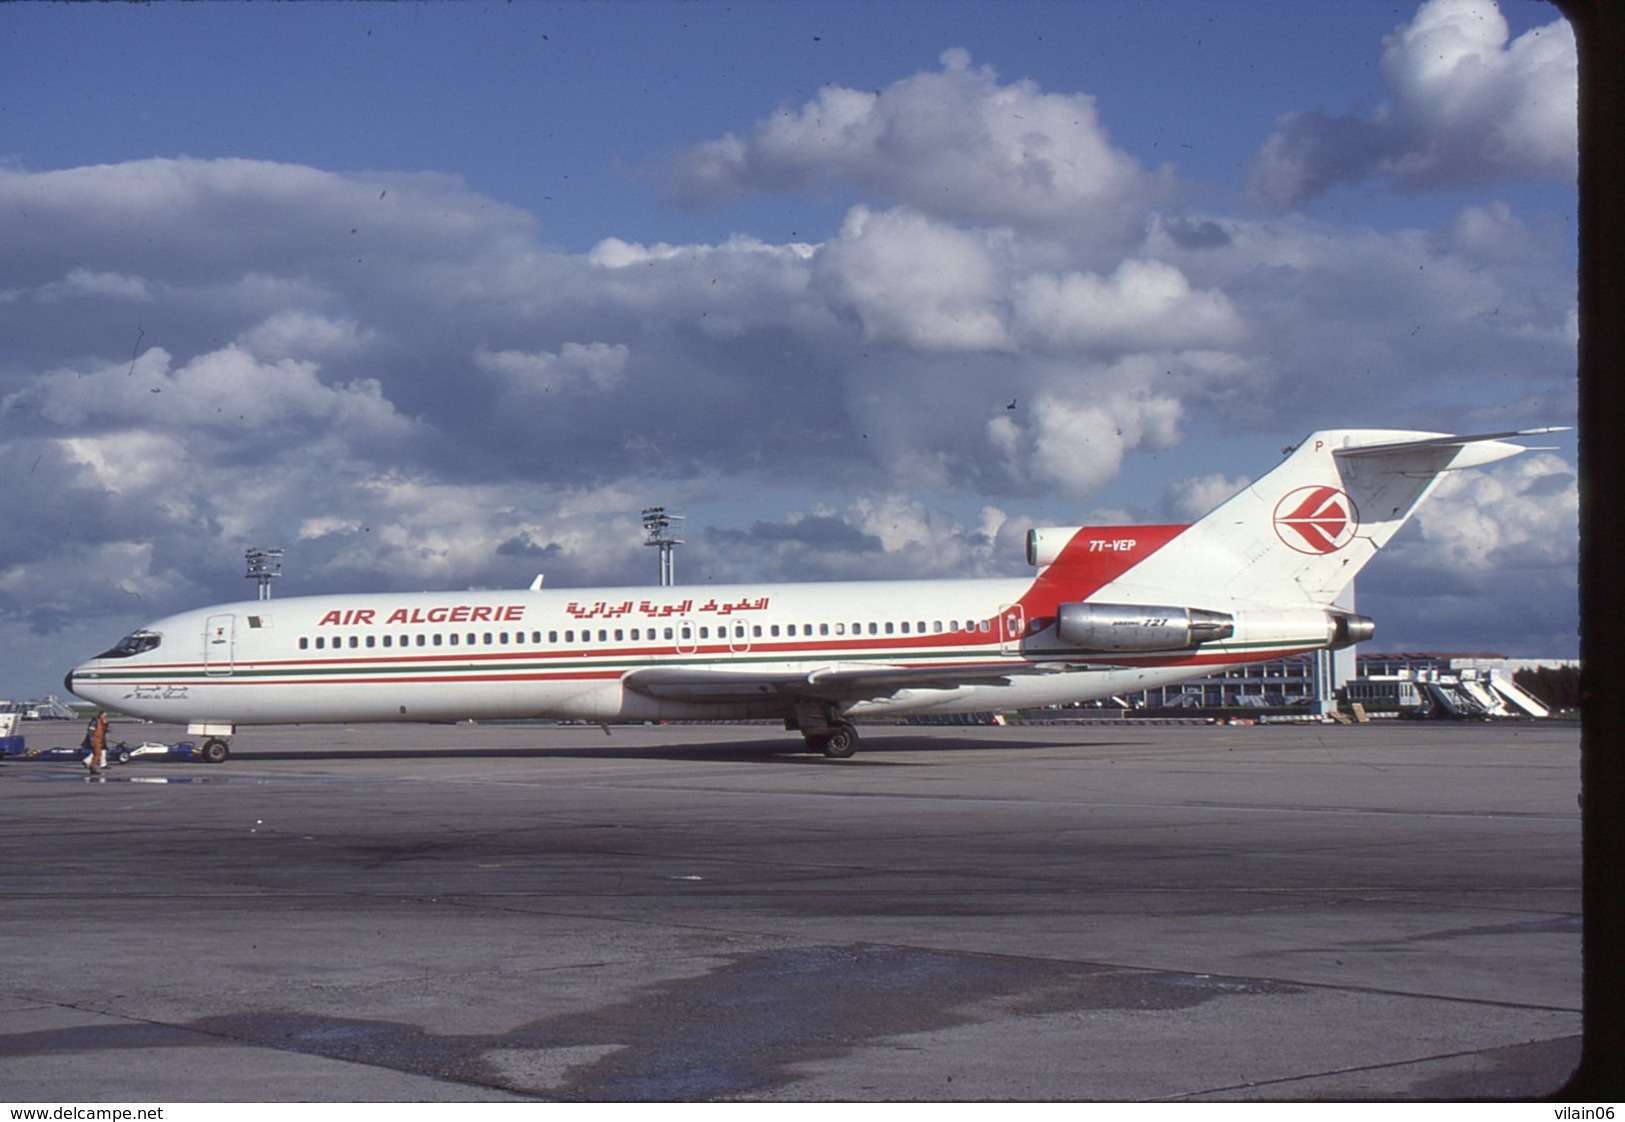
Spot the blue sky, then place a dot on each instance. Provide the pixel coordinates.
(566, 110)
(437, 295)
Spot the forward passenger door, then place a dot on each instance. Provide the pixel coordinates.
(219, 645)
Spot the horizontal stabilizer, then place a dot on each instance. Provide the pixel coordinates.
(1444, 442)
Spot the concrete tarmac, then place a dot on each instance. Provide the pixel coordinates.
(532, 912)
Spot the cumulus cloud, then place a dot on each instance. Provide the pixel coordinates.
(99, 578)
(1142, 305)
(1490, 524)
(1080, 444)
(81, 284)
(300, 333)
(875, 536)
(1327, 308)
(1469, 107)
(593, 366)
(396, 379)
(916, 282)
(1189, 499)
(224, 391)
(911, 280)
(1491, 561)
(906, 354)
(954, 144)
(459, 535)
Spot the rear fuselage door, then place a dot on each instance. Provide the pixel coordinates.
(1012, 626)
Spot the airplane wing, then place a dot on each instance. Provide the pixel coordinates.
(832, 683)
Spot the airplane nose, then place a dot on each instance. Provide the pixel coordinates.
(67, 681)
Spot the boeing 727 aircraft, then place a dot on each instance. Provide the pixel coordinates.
(1109, 610)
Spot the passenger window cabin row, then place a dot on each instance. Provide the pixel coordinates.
(670, 634)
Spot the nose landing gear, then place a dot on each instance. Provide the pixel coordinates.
(217, 747)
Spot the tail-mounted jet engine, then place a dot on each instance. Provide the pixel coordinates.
(1349, 629)
(1139, 627)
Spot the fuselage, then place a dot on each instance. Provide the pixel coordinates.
(569, 654)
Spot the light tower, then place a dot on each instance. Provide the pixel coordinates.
(657, 522)
(264, 565)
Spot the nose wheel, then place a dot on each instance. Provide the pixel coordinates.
(215, 750)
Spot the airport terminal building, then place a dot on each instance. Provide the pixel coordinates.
(1399, 684)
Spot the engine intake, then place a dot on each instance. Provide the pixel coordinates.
(1046, 543)
(1139, 627)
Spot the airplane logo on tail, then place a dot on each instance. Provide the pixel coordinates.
(1316, 519)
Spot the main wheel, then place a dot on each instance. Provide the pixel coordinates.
(215, 751)
(841, 741)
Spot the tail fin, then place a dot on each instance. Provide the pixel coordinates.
(1299, 534)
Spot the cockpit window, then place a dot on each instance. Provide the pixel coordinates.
(137, 642)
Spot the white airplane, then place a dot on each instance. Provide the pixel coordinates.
(1109, 610)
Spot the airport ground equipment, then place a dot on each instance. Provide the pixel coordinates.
(15, 748)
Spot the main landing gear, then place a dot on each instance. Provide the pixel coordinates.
(824, 732)
(838, 743)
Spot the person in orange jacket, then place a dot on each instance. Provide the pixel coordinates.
(98, 742)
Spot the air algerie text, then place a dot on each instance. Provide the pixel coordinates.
(461, 613)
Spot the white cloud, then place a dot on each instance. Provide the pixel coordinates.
(1081, 446)
(1190, 499)
(1076, 434)
(300, 333)
(1509, 108)
(1328, 309)
(1143, 305)
(311, 529)
(1495, 522)
(1469, 107)
(593, 366)
(879, 535)
(953, 144)
(116, 574)
(127, 463)
(223, 390)
(614, 253)
(81, 284)
(1490, 564)
(906, 355)
(916, 282)
(395, 378)
(428, 532)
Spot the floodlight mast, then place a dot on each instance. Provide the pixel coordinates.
(264, 565)
(657, 522)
